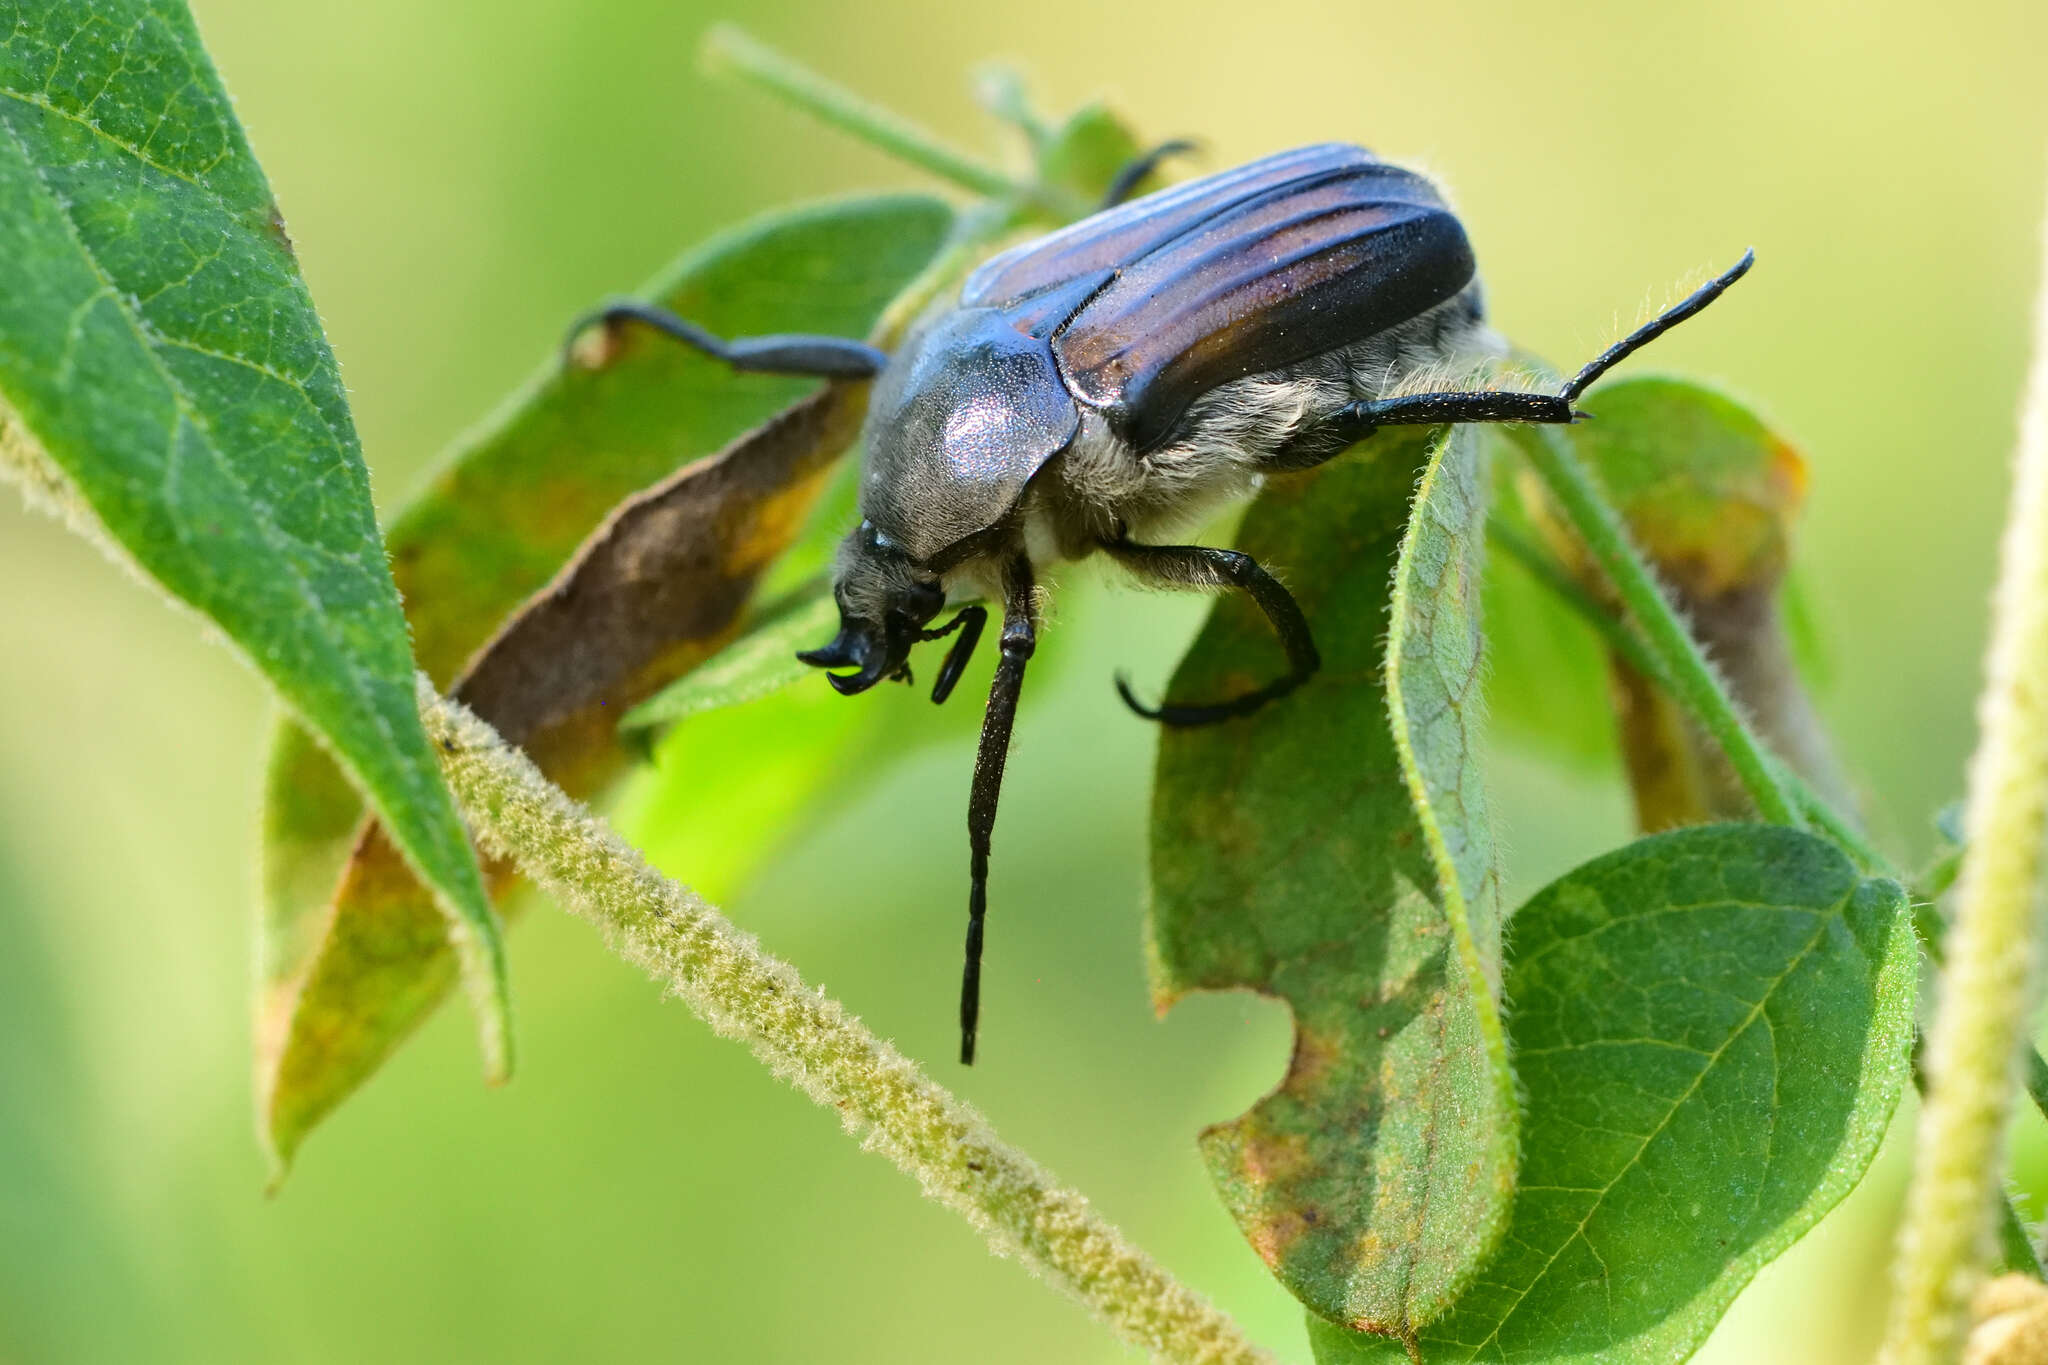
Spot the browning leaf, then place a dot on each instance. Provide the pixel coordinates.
(760, 662)
(653, 592)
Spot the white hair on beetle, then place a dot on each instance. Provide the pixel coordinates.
(1101, 489)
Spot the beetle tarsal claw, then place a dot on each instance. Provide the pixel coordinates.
(847, 684)
(1123, 689)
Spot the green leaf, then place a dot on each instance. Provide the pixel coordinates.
(1712, 1028)
(504, 514)
(1546, 676)
(761, 661)
(1435, 671)
(1289, 858)
(1085, 153)
(159, 346)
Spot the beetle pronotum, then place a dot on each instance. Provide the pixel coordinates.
(1093, 387)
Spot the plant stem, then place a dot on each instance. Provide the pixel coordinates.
(1988, 985)
(1684, 666)
(1934, 938)
(1831, 823)
(2016, 1254)
(728, 47)
(1545, 570)
(809, 1040)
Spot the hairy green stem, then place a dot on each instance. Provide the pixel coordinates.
(728, 47)
(1684, 666)
(2016, 1254)
(1833, 825)
(1987, 987)
(1934, 938)
(812, 1042)
(1541, 566)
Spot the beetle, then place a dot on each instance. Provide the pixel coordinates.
(1088, 390)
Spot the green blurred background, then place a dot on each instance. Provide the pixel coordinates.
(461, 177)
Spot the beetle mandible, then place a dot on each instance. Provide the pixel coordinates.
(1088, 390)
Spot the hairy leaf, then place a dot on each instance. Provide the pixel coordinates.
(1085, 153)
(348, 975)
(1435, 685)
(1712, 1028)
(1288, 857)
(159, 346)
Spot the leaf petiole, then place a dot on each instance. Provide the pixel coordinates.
(1546, 570)
(1690, 677)
(729, 49)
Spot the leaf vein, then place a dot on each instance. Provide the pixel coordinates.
(319, 621)
(1522, 1295)
(48, 106)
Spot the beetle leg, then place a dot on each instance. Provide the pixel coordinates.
(1134, 172)
(1362, 419)
(1020, 638)
(973, 619)
(1196, 566)
(1359, 420)
(822, 357)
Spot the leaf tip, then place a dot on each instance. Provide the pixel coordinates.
(279, 1137)
(497, 1049)
(489, 987)
(280, 1167)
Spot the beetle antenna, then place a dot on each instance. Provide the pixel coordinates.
(822, 357)
(1658, 326)
(1019, 639)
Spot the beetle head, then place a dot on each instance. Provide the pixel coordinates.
(885, 600)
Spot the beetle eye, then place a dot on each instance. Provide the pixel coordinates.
(871, 538)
